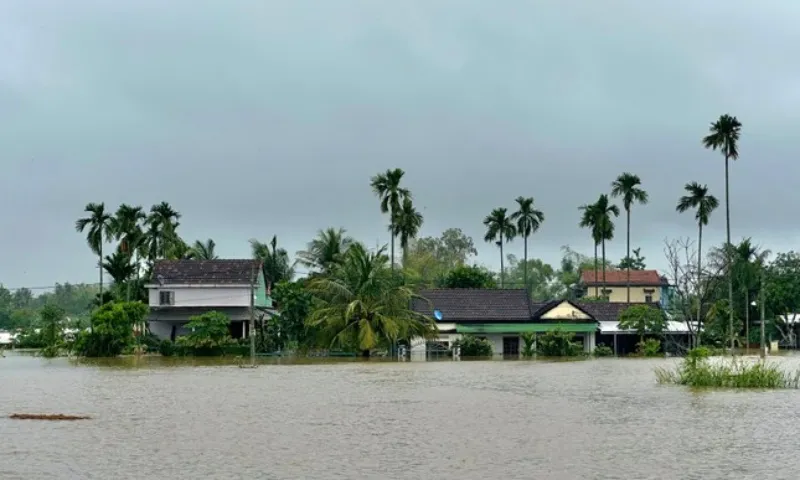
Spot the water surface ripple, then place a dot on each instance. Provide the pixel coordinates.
(598, 419)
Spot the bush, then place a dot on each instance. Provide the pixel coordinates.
(472, 346)
(209, 334)
(697, 371)
(167, 348)
(558, 343)
(529, 344)
(602, 350)
(649, 348)
(112, 329)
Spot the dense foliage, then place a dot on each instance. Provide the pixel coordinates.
(209, 334)
(558, 343)
(471, 346)
(112, 330)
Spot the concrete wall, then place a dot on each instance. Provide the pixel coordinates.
(619, 294)
(204, 297)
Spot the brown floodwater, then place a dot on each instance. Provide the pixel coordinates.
(207, 419)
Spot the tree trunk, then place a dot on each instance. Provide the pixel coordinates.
(502, 271)
(391, 228)
(596, 280)
(604, 267)
(728, 251)
(699, 281)
(628, 255)
(525, 259)
(747, 321)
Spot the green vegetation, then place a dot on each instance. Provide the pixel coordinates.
(474, 347)
(557, 343)
(528, 344)
(643, 319)
(697, 370)
(628, 186)
(602, 350)
(112, 331)
(208, 335)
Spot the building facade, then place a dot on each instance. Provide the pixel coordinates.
(182, 289)
(646, 286)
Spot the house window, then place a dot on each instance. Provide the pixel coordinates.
(648, 298)
(166, 298)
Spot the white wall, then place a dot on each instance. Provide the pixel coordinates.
(205, 297)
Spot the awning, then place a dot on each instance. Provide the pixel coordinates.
(608, 327)
(526, 327)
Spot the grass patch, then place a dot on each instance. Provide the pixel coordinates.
(697, 371)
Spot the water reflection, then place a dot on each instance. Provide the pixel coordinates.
(346, 418)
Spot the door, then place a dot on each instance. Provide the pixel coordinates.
(511, 347)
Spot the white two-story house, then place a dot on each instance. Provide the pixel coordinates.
(181, 289)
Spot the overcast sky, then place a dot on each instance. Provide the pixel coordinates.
(255, 118)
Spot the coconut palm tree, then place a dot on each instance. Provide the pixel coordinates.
(407, 223)
(628, 186)
(276, 265)
(363, 307)
(120, 268)
(704, 203)
(499, 229)
(528, 219)
(162, 226)
(326, 251)
(203, 250)
(589, 219)
(724, 136)
(99, 224)
(387, 187)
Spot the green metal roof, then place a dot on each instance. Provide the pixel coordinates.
(526, 327)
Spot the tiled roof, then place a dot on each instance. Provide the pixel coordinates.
(476, 304)
(608, 311)
(206, 272)
(647, 278)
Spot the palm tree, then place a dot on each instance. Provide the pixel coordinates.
(747, 266)
(704, 203)
(407, 223)
(363, 307)
(127, 227)
(589, 220)
(325, 251)
(499, 229)
(387, 187)
(177, 249)
(528, 219)
(276, 265)
(99, 224)
(203, 250)
(162, 227)
(604, 210)
(724, 136)
(119, 266)
(628, 186)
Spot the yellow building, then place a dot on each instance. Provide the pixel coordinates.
(647, 286)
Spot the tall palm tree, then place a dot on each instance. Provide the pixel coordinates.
(162, 229)
(407, 223)
(203, 250)
(724, 136)
(127, 228)
(99, 224)
(363, 307)
(528, 219)
(604, 210)
(589, 219)
(276, 265)
(499, 229)
(387, 187)
(326, 251)
(748, 259)
(119, 267)
(628, 186)
(704, 203)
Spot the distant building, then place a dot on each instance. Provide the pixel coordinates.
(182, 289)
(647, 286)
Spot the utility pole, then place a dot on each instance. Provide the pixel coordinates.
(253, 317)
(761, 304)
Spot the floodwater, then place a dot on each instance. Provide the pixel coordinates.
(179, 419)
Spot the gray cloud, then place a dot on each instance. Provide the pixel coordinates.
(261, 118)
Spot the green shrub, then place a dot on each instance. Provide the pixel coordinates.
(697, 371)
(602, 350)
(529, 344)
(112, 332)
(649, 348)
(558, 343)
(472, 346)
(209, 335)
(167, 348)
